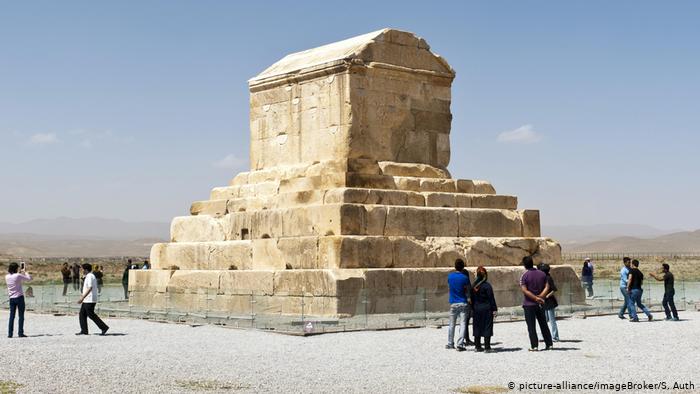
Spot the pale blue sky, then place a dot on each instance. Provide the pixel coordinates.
(126, 109)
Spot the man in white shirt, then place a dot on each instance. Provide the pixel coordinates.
(88, 300)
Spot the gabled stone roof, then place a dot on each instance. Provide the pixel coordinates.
(387, 46)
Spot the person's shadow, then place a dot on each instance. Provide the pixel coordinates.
(112, 334)
(506, 349)
(44, 335)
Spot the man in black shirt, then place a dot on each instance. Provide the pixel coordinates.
(634, 287)
(669, 292)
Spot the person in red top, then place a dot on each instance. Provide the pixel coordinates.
(533, 284)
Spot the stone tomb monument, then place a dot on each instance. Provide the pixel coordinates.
(348, 202)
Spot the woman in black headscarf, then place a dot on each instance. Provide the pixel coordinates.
(485, 310)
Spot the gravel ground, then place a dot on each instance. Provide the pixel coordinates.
(141, 356)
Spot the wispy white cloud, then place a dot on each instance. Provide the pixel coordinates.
(522, 135)
(87, 144)
(43, 139)
(230, 161)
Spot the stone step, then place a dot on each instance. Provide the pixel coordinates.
(323, 292)
(359, 166)
(328, 181)
(354, 196)
(332, 252)
(357, 219)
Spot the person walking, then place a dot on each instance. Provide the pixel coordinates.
(634, 288)
(550, 302)
(65, 274)
(88, 301)
(125, 279)
(587, 277)
(485, 310)
(76, 276)
(669, 292)
(14, 281)
(459, 298)
(533, 284)
(624, 276)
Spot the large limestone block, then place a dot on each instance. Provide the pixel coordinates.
(214, 208)
(246, 204)
(531, 222)
(373, 196)
(370, 181)
(266, 255)
(194, 281)
(319, 182)
(244, 304)
(152, 280)
(225, 192)
(494, 201)
(568, 285)
(285, 253)
(355, 252)
(475, 251)
(442, 200)
(192, 301)
(221, 255)
(316, 282)
(259, 282)
(295, 199)
(319, 220)
(148, 300)
(409, 252)
(267, 223)
(299, 252)
(474, 186)
(239, 225)
(359, 165)
(421, 222)
(489, 223)
(414, 280)
(197, 229)
(458, 200)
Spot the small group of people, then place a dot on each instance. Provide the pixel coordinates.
(17, 274)
(77, 279)
(631, 288)
(467, 302)
(477, 302)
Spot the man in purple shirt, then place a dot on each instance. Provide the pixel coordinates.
(533, 284)
(14, 289)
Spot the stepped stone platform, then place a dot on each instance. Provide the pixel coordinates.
(348, 202)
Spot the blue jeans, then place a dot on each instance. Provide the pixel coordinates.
(15, 305)
(636, 301)
(587, 284)
(668, 301)
(624, 306)
(461, 311)
(552, 319)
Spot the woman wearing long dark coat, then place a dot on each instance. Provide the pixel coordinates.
(485, 310)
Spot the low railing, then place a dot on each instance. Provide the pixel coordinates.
(424, 308)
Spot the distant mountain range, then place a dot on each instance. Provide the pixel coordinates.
(685, 242)
(93, 228)
(575, 235)
(87, 237)
(100, 237)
